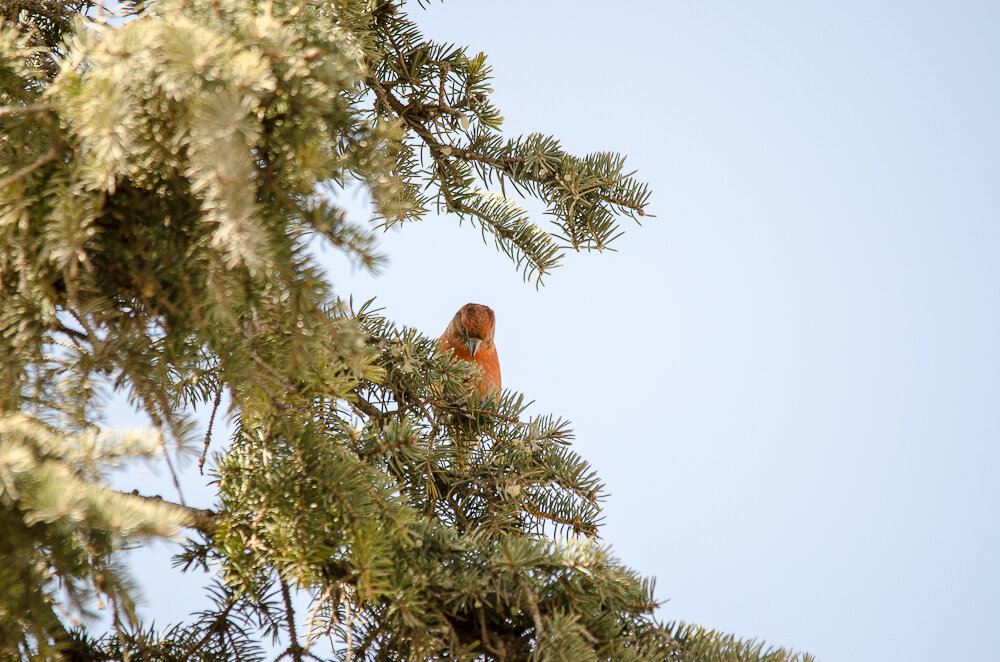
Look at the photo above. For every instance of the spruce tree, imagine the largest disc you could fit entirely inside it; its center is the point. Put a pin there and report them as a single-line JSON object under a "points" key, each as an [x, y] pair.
{"points": [[163, 170]]}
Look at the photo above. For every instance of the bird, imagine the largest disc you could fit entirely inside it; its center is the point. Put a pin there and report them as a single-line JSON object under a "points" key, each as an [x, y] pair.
{"points": [[470, 337]]}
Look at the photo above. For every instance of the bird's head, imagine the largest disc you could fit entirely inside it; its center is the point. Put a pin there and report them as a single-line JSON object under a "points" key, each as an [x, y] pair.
{"points": [[474, 324]]}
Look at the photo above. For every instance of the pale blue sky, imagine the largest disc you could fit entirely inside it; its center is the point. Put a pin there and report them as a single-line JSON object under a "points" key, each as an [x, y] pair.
{"points": [[804, 448]]}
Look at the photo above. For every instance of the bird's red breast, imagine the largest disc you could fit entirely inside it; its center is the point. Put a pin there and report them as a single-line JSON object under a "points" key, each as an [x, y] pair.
{"points": [[470, 337]]}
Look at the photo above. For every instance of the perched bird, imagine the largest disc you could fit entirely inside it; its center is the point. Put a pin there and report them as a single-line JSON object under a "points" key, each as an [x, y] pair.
{"points": [[470, 337]]}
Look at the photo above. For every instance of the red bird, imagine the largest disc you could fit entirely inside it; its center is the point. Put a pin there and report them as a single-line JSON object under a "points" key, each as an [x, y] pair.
{"points": [[470, 337]]}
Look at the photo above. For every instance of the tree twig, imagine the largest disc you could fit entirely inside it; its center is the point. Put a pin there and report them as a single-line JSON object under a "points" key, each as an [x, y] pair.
{"points": [[208, 432], [366, 407], [173, 472], [48, 157], [532, 605], [25, 110], [294, 648], [201, 519]]}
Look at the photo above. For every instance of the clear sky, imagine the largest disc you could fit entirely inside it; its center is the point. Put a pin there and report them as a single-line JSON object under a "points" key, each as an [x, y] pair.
{"points": [[788, 379]]}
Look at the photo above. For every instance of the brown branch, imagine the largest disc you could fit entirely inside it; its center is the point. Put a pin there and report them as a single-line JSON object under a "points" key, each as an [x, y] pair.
{"points": [[366, 407], [200, 519], [48, 157], [536, 615], [72, 333], [208, 432], [294, 648], [28, 109], [173, 473], [391, 102], [387, 99], [576, 522], [484, 633]]}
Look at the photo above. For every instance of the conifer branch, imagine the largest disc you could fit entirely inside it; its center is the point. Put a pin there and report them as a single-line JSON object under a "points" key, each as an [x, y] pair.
{"points": [[27, 109], [485, 634], [44, 159], [208, 432], [201, 519], [365, 407], [294, 649], [72, 333], [511, 166], [536, 615], [173, 475]]}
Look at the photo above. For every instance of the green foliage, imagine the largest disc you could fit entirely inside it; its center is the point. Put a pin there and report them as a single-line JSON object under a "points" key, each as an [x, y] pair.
{"points": [[61, 526], [162, 176], [693, 643], [441, 95]]}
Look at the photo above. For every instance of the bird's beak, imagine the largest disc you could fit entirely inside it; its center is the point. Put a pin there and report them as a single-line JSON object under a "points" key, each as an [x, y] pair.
{"points": [[473, 345]]}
